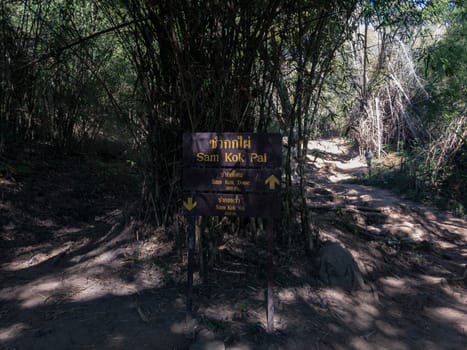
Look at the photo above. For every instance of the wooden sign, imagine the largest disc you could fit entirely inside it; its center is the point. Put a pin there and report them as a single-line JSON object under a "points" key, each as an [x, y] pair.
{"points": [[226, 204], [231, 180], [243, 168], [232, 149]]}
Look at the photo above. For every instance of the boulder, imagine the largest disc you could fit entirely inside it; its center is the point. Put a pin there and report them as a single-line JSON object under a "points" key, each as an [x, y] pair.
{"points": [[208, 345], [337, 267]]}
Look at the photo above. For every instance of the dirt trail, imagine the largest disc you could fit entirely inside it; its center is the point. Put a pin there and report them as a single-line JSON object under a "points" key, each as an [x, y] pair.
{"points": [[333, 163], [72, 275], [413, 258]]}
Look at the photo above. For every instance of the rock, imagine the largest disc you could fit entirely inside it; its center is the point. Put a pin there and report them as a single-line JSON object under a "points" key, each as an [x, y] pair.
{"points": [[208, 345], [337, 267]]}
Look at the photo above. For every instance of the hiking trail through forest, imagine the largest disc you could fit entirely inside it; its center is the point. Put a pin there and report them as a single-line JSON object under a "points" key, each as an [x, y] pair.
{"points": [[73, 275]]}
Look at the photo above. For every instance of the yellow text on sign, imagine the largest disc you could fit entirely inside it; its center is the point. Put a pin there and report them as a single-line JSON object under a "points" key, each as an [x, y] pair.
{"points": [[232, 157], [230, 205]]}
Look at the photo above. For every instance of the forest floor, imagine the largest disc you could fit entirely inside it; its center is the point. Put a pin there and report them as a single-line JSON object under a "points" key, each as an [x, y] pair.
{"points": [[74, 276]]}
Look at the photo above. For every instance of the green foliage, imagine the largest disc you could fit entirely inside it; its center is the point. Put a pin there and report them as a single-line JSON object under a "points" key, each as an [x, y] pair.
{"points": [[60, 86], [15, 170], [7, 170], [414, 180], [445, 68], [404, 75], [396, 13], [241, 312], [215, 324]]}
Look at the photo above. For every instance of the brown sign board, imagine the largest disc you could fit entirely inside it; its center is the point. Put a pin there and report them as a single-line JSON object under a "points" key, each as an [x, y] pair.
{"points": [[244, 150], [232, 174], [227, 204], [232, 180]]}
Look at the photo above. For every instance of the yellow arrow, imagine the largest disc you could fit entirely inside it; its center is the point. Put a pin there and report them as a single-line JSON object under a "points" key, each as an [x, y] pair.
{"points": [[189, 204], [272, 181]]}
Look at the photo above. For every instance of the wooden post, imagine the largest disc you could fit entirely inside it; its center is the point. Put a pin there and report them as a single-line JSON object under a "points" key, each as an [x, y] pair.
{"points": [[378, 128], [270, 269], [191, 255]]}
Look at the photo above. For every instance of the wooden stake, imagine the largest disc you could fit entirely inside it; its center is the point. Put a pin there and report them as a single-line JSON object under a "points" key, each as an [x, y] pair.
{"points": [[270, 269], [191, 255]]}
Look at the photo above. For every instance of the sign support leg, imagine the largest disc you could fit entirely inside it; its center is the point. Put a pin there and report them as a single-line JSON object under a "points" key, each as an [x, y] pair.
{"points": [[270, 296], [191, 255]]}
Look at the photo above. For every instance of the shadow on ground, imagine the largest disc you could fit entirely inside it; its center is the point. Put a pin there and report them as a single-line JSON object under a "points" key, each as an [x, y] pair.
{"points": [[81, 281]]}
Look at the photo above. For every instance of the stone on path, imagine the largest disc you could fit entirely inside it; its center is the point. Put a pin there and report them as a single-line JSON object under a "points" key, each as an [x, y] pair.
{"points": [[208, 345], [337, 267]]}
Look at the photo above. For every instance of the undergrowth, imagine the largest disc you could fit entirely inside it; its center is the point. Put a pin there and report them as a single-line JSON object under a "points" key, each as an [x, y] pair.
{"points": [[413, 179]]}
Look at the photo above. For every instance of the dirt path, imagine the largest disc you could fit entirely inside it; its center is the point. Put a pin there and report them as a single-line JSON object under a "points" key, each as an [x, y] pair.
{"points": [[413, 259], [335, 164], [72, 275]]}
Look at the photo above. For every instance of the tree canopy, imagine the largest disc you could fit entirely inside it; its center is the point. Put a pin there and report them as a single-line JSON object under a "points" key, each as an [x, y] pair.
{"points": [[386, 73]]}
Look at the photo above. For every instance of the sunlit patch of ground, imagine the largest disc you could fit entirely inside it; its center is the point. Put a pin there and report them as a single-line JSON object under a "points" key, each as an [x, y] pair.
{"points": [[12, 331], [332, 158], [65, 276]]}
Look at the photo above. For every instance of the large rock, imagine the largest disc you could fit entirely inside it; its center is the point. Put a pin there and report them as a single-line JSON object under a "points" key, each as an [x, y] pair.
{"points": [[337, 267], [208, 345]]}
